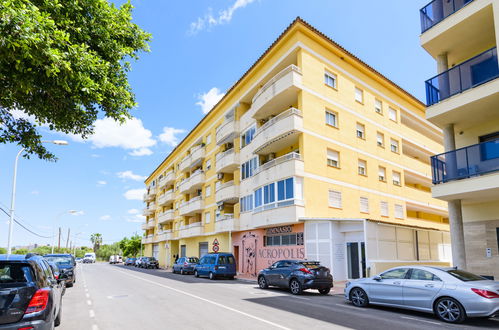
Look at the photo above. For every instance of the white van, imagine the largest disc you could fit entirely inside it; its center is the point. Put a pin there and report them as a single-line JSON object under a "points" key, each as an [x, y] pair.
{"points": [[89, 258]]}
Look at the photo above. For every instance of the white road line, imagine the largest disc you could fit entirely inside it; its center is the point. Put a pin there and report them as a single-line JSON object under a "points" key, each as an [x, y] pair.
{"points": [[415, 319], [87, 295], [95, 327], [208, 301], [91, 313], [89, 303]]}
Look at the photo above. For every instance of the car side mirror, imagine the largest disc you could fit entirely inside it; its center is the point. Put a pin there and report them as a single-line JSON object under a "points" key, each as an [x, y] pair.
{"points": [[377, 278]]}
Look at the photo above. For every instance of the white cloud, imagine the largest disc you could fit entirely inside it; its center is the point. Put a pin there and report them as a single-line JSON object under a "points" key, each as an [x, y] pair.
{"points": [[137, 218], [169, 135], [77, 213], [35, 192], [135, 194], [141, 152], [19, 114], [130, 175], [133, 211], [223, 17], [209, 99], [101, 182], [105, 217]]}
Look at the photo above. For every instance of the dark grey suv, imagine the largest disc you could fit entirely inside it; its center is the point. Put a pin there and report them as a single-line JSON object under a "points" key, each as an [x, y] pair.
{"points": [[297, 275]]}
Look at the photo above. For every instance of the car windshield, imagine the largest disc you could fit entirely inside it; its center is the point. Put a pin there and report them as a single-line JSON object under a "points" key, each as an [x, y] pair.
{"points": [[15, 273], [60, 260], [465, 276], [193, 260], [311, 264], [152, 259]]}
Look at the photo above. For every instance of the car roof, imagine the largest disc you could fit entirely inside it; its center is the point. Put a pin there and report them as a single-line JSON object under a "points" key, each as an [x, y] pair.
{"points": [[30, 257], [58, 255]]}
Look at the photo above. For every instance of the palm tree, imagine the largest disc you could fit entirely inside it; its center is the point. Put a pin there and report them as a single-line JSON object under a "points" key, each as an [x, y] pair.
{"points": [[96, 240]]}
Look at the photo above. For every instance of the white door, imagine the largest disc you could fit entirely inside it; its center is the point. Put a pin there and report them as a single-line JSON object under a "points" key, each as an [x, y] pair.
{"points": [[155, 250]]}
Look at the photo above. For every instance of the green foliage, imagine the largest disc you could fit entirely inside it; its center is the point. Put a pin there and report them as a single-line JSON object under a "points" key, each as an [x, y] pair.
{"points": [[3, 250], [130, 247], [20, 251], [80, 253], [107, 250], [64, 62], [96, 240]]}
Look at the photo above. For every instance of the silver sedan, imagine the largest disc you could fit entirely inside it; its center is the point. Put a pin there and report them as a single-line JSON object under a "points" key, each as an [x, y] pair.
{"points": [[451, 294]]}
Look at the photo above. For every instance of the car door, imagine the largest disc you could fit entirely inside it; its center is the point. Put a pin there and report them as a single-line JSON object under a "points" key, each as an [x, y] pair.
{"points": [[388, 288], [420, 288], [272, 275], [284, 271]]}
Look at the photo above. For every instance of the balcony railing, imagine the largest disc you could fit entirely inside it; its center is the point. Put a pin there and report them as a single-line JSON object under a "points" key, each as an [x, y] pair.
{"points": [[277, 161], [471, 73], [437, 10], [227, 131], [466, 162], [275, 78]]}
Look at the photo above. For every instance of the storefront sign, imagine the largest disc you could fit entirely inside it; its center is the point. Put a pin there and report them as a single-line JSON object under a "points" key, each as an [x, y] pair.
{"points": [[279, 230]]}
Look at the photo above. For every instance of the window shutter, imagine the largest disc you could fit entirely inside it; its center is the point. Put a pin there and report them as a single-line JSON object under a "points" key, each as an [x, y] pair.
{"points": [[335, 199], [364, 205], [384, 209], [399, 211]]}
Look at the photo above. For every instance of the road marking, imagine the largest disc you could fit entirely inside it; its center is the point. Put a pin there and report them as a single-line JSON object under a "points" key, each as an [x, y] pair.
{"points": [[88, 295], [208, 301], [89, 302], [415, 319], [91, 313], [95, 327]]}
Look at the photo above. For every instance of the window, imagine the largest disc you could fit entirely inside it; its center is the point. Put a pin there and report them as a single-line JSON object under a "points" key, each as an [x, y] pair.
{"points": [[394, 145], [335, 199], [381, 173], [398, 273], [364, 205], [269, 193], [248, 168], [248, 136], [246, 203], [362, 167], [207, 191], [285, 189], [359, 95], [380, 139], [208, 164], [208, 139], [333, 158], [330, 79], [288, 239], [378, 106], [423, 275], [396, 178], [392, 114], [384, 209], [207, 217], [399, 211], [258, 197], [361, 131], [331, 118]]}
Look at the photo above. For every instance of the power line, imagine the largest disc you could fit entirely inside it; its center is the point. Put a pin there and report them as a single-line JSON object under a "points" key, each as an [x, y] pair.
{"points": [[22, 226], [26, 223]]}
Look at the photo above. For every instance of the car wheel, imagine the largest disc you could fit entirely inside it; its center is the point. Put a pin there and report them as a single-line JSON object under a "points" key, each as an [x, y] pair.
{"points": [[196, 274], [262, 282], [69, 285], [358, 297], [324, 291], [449, 310], [295, 287], [58, 318], [211, 276], [182, 271]]}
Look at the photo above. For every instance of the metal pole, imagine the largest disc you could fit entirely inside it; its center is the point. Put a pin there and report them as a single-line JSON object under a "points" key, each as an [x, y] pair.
{"points": [[12, 203]]}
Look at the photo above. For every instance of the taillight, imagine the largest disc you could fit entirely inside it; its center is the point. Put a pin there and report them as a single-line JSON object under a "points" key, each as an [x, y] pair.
{"points": [[485, 293], [38, 302], [25, 328], [185, 263], [216, 267], [305, 270]]}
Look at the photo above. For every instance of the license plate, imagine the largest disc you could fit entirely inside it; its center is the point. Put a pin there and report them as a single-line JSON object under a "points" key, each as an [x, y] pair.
{"points": [[222, 267]]}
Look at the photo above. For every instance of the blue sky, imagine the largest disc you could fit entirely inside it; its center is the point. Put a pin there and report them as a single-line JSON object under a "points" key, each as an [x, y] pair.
{"points": [[199, 49]]}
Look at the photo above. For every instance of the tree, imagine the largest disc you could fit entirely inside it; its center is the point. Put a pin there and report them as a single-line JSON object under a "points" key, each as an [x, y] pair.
{"points": [[96, 240], [64, 62], [107, 250], [3, 250], [130, 247]]}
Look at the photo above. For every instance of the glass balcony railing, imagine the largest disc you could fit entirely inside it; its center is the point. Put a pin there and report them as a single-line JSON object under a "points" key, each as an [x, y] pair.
{"points": [[437, 10], [471, 73], [466, 162]]}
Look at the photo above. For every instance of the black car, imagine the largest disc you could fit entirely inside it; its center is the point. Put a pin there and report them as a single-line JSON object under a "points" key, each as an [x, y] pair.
{"points": [[149, 262], [130, 261], [30, 295], [297, 275], [66, 264]]}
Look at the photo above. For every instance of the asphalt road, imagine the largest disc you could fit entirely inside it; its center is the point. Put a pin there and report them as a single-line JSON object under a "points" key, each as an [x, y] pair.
{"points": [[118, 297]]}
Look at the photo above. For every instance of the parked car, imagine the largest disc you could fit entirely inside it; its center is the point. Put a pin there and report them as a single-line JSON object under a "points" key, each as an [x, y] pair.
{"points": [[31, 295], [130, 261], [66, 264], [185, 265], [114, 259], [297, 275], [216, 265], [449, 293], [138, 262], [149, 262], [78, 260], [57, 274], [89, 258]]}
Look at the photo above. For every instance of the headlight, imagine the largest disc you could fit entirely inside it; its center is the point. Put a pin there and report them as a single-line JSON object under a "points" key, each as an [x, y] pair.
{"points": [[347, 284]]}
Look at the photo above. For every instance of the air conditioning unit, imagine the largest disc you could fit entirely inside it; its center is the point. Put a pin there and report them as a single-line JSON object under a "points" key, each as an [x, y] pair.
{"points": [[220, 206], [271, 156], [199, 192], [229, 145], [220, 176]]}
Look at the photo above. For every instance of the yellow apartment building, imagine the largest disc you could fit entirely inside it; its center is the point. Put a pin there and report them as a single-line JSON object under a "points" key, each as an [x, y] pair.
{"points": [[311, 154], [463, 100]]}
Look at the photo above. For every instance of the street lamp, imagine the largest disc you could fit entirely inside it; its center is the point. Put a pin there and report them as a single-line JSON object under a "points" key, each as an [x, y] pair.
{"points": [[56, 221], [13, 199]]}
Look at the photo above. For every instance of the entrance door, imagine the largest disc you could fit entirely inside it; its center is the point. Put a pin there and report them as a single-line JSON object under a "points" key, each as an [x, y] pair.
{"points": [[155, 250], [356, 259], [236, 254], [203, 249], [182, 251]]}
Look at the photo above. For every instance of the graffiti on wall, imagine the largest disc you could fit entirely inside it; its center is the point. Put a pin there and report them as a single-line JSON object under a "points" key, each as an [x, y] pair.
{"points": [[249, 242]]}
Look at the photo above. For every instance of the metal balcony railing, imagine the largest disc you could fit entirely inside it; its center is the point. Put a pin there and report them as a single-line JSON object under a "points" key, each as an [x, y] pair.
{"points": [[469, 74], [466, 162], [437, 10]]}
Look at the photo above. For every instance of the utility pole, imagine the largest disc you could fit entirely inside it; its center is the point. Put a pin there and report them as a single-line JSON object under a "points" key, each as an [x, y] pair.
{"points": [[59, 240], [67, 241]]}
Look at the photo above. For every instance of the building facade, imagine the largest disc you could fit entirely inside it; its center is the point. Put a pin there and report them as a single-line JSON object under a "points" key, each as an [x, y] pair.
{"points": [[463, 99], [311, 154]]}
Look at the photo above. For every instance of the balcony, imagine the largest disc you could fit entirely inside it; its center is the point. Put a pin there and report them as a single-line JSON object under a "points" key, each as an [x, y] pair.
{"points": [[183, 186], [275, 214], [185, 164], [143, 226], [197, 155], [166, 198], [150, 194], [150, 224], [148, 210], [195, 205], [166, 216], [279, 132], [279, 168], [225, 223], [278, 93], [437, 10], [196, 181], [168, 178], [470, 173], [190, 230], [227, 192], [227, 132], [227, 161], [147, 239], [165, 235]]}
